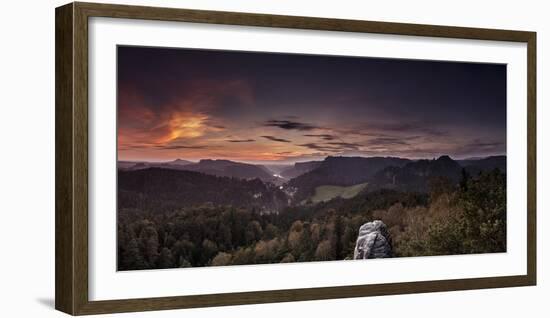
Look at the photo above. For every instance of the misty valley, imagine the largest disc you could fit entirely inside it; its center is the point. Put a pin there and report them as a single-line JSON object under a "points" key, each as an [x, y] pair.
{"points": [[183, 213]]}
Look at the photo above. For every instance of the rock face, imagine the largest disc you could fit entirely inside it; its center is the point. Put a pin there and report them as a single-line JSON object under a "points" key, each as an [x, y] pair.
{"points": [[415, 176], [374, 241]]}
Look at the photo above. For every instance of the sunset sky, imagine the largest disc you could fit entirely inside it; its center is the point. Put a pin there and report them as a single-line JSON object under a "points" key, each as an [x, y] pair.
{"points": [[258, 107]]}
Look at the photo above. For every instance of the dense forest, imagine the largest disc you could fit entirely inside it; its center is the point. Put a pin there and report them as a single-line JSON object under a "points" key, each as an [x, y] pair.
{"points": [[169, 218]]}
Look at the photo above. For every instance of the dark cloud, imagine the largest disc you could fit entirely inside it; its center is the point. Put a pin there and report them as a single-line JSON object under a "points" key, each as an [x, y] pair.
{"points": [[289, 125], [221, 127], [424, 128], [129, 146], [240, 140], [319, 147], [322, 136], [332, 146], [344, 145], [480, 146], [388, 141], [391, 129], [172, 147], [273, 138], [161, 147]]}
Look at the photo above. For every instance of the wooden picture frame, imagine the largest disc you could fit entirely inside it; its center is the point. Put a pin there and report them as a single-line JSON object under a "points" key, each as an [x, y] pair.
{"points": [[71, 268]]}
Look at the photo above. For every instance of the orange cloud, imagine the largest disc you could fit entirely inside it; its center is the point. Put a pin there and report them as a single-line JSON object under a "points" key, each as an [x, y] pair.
{"points": [[185, 125]]}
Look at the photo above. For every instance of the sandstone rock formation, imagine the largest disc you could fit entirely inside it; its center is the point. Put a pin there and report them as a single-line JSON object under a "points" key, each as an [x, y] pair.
{"points": [[373, 241]]}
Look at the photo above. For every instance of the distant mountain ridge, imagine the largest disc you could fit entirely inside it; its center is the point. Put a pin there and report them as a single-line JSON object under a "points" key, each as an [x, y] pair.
{"points": [[137, 165], [304, 177], [414, 176], [299, 168], [217, 167], [387, 173], [227, 168], [474, 166], [180, 162]]}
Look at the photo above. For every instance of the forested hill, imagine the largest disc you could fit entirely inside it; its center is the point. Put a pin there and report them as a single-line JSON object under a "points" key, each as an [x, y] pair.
{"points": [[416, 176], [227, 168], [341, 171], [299, 168], [216, 167], [474, 166], [165, 189]]}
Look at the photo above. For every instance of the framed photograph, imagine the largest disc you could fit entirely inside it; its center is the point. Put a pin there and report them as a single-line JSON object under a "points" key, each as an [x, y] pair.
{"points": [[218, 158]]}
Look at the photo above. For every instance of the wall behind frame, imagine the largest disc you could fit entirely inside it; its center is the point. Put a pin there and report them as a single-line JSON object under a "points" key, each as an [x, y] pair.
{"points": [[27, 158]]}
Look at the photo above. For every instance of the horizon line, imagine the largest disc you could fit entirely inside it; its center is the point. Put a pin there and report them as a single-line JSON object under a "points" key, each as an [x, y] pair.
{"points": [[305, 160]]}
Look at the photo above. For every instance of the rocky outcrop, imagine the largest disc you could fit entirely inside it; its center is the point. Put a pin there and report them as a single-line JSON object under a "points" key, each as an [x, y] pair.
{"points": [[373, 241]]}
